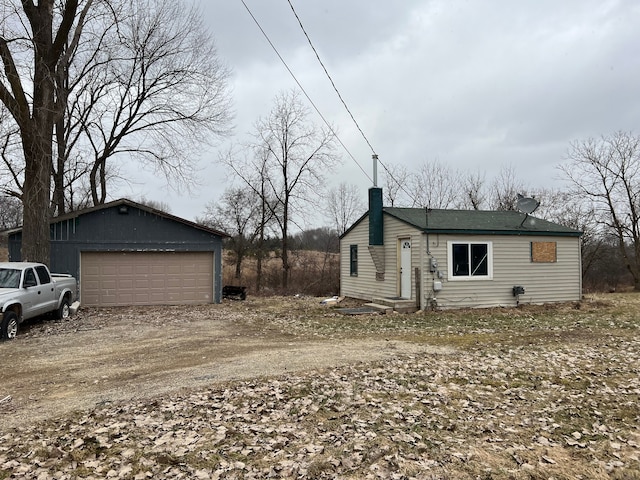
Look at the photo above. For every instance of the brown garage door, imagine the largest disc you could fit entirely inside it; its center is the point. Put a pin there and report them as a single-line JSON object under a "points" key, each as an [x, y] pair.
{"points": [[146, 278]]}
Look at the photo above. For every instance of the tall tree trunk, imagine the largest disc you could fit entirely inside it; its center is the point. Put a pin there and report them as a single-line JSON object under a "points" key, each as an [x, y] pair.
{"points": [[37, 139], [98, 182], [35, 117], [285, 248], [239, 257], [58, 172], [36, 213]]}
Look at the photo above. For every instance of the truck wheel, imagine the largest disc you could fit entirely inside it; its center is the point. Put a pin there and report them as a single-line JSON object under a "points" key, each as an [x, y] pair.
{"points": [[9, 326], [63, 312]]}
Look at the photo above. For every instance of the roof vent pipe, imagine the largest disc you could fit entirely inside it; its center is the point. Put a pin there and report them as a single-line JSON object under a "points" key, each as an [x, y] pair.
{"points": [[375, 169]]}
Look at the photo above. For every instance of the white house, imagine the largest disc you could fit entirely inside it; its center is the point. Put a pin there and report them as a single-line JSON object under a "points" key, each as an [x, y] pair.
{"points": [[458, 258]]}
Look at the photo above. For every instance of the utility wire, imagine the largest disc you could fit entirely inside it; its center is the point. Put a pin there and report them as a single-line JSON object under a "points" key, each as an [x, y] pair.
{"points": [[330, 79], [375, 155], [304, 91]]}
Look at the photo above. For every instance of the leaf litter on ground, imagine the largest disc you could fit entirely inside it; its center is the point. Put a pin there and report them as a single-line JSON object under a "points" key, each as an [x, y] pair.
{"points": [[537, 392]]}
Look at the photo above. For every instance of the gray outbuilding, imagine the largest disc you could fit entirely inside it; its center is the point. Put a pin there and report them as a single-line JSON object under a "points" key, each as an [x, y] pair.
{"points": [[126, 253]]}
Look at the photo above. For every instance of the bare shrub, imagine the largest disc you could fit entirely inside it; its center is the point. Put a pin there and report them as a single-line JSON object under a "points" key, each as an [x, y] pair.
{"points": [[312, 273]]}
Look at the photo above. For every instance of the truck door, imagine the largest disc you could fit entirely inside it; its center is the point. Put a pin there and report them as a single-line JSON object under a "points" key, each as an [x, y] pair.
{"points": [[48, 300], [31, 294]]}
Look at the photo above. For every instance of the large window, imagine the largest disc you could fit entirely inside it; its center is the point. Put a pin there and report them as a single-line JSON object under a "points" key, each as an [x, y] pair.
{"points": [[353, 260], [470, 260]]}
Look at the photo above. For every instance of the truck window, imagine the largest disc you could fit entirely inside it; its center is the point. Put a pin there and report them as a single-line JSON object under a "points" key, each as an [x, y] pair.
{"points": [[30, 278], [43, 274], [9, 278]]}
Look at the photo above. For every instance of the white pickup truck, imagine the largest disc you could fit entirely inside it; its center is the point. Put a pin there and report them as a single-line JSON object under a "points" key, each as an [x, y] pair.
{"points": [[28, 290]]}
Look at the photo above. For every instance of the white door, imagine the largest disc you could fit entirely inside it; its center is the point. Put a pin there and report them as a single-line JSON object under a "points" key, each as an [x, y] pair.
{"points": [[405, 268]]}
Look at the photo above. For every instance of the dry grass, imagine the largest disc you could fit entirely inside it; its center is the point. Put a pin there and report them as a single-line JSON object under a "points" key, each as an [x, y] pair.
{"points": [[312, 273], [529, 393]]}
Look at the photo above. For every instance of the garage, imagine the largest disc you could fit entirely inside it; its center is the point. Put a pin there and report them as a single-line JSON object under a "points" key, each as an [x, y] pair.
{"points": [[124, 253], [146, 278]]}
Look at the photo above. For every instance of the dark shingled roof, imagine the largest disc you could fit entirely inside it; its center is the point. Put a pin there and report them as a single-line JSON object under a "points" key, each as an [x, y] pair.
{"points": [[478, 222]]}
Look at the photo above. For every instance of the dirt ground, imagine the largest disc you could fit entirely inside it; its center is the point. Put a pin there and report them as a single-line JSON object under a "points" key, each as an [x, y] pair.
{"points": [[108, 355], [281, 387]]}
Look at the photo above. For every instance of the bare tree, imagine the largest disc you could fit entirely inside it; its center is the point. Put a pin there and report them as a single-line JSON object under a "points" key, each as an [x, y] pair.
{"points": [[298, 154], [155, 204], [11, 173], [32, 46], [290, 157], [606, 172], [253, 171], [10, 212], [435, 186], [505, 189], [150, 88], [344, 206], [472, 192], [111, 78], [238, 214], [396, 179]]}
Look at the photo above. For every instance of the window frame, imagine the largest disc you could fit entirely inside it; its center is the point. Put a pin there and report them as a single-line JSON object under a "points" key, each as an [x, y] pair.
{"points": [[353, 260], [43, 275], [30, 274], [469, 277]]}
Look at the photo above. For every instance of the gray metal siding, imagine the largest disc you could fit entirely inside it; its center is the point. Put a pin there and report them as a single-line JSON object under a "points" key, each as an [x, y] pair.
{"points": [[108, 230]]}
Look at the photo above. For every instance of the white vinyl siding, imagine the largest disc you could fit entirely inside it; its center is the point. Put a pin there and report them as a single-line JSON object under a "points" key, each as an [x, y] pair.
{"points": [[512, 265], [365, 286]]}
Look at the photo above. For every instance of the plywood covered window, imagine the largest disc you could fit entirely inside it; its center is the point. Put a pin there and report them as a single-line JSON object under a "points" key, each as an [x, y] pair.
{"points": [[544, 252]]}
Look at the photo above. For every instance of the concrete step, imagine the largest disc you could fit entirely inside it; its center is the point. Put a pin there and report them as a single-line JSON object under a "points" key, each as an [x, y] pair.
{"points": [[391, 302], [400, 305], [379, 307], [406, 308]]}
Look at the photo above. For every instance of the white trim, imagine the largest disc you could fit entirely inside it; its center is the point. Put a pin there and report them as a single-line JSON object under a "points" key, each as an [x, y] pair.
{"points": [[469, 278]]}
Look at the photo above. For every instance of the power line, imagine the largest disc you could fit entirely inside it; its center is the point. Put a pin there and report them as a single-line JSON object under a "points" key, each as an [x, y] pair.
{"points": [[329, 77], [303, 90], [375, 155]]}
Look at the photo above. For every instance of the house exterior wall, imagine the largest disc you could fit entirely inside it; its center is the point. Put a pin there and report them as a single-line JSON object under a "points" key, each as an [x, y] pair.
{"points": [[365, 286], [137, 230], [512, 265]]}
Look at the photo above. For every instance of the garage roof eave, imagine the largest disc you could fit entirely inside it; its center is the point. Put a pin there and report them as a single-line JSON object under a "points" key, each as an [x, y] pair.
{"points": [[130, 203]]}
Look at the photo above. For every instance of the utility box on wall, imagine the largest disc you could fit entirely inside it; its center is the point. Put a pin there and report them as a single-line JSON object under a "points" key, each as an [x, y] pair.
{"points": [[518, 290]]}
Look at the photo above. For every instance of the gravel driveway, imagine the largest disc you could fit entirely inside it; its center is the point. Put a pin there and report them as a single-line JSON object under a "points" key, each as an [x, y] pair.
{"points": [[282, 388], [108, 355]]}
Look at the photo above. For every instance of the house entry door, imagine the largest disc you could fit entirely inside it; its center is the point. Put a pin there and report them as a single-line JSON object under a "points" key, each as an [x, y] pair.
{"points": [[405, 267]]}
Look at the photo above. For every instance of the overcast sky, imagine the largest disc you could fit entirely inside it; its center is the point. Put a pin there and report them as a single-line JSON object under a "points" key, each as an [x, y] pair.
{"points": [[473, 84]]}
